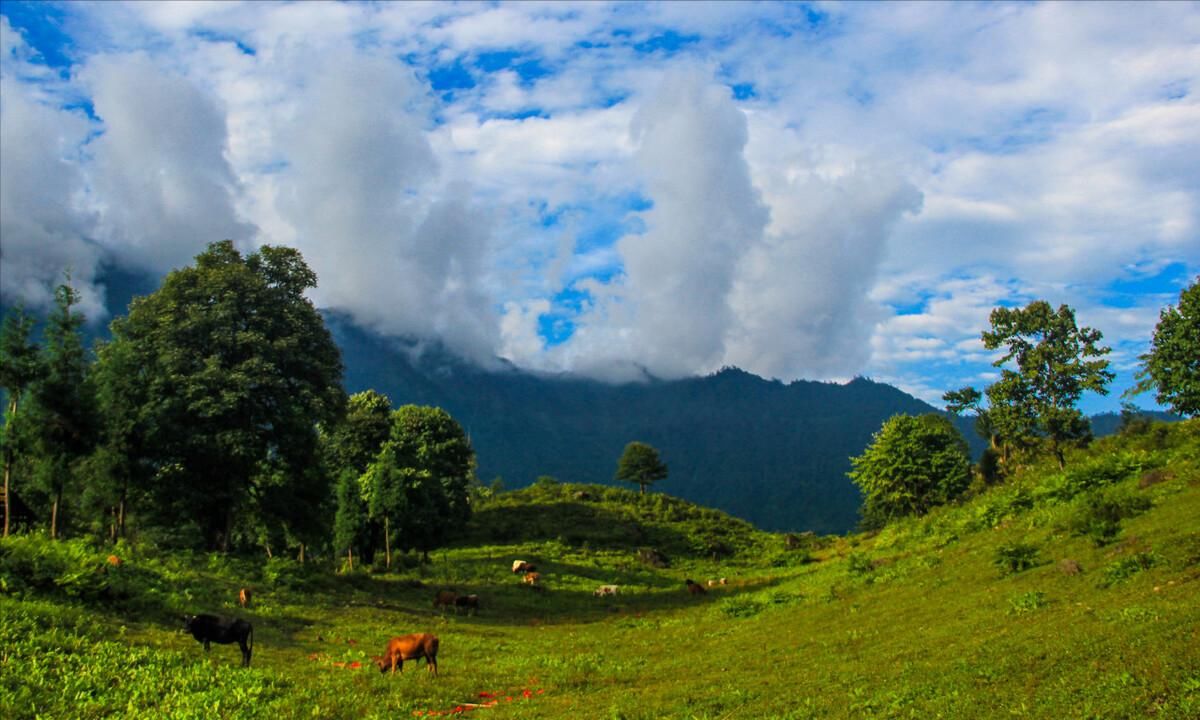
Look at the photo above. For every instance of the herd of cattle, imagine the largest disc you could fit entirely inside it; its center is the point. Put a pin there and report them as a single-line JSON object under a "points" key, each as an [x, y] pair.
{"points": [[226, 630]]}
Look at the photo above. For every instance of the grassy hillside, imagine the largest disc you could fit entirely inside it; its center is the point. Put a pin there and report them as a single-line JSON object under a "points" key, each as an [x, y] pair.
{"points": [[1064, 595]]}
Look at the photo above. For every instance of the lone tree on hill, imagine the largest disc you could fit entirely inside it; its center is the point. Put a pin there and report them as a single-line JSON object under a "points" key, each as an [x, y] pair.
{"points": [[1056, 361], [913, 464], [641, 465], [1172, 367]]}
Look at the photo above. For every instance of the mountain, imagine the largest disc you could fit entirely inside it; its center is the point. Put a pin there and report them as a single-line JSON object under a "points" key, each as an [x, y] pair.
{"points": [[772, 453]]}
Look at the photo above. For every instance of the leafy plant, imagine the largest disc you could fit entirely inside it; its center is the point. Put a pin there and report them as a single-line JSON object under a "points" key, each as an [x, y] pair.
{"points": [[1127, 567], [1101, 515], [1027, 602], [1015, 558]]}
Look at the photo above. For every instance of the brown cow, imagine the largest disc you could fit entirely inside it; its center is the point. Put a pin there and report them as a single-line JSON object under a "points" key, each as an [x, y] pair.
{"points": [[409, 647], [695, 588], [531, 578], [520, 566], [444, 599], [244, 597]]}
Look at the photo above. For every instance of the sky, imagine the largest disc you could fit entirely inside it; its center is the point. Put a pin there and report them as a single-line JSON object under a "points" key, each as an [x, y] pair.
{"points": [[626, 190]]}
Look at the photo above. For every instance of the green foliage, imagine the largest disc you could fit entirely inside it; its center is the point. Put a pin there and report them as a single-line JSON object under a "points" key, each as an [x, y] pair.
{"points": [[1101, 514], [234, 369], [740, 607], [420, 480], [912, 465], [640, 464], [1015, 558], [1056, 362], [1100, 471], [62, 405], [1126, 567], [1172, 366], [1027, 602]]}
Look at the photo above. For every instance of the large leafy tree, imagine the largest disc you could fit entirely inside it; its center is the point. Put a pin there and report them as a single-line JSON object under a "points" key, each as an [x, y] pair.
{"points": [[63, 409], [1054, 362], [913, 464], [235, 369], [419, 482], [1172, 367], [640, 464], [20, 367]]}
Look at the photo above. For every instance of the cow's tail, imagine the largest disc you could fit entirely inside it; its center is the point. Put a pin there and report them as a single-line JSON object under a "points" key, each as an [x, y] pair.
{"points": [[249, 645]]}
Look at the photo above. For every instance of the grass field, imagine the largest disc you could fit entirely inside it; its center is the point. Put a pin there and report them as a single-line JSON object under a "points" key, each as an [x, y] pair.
{"points": [[1056, 595]]}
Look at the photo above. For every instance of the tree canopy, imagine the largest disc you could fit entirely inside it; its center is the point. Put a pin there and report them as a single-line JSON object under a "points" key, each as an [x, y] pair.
{"points": [[641, 465], [1172, 366], [913, 464], [234, 369]]}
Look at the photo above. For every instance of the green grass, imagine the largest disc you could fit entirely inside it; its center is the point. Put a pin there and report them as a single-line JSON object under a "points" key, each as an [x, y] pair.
{"points": [[922, 619]]}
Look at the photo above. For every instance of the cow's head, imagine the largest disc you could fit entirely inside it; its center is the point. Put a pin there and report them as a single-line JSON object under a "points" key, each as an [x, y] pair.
{"points": [[382, 663]]}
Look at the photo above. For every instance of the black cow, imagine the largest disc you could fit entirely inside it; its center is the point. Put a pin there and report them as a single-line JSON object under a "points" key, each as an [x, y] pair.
{"points": [[222, 630]]}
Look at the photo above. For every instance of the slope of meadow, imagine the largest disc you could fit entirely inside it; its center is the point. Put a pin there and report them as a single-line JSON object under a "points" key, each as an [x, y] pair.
{"points": [[1071, 594]]}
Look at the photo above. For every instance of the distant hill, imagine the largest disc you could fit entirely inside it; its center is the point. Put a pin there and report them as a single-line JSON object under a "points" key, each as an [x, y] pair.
{"points": [[775, 454]]}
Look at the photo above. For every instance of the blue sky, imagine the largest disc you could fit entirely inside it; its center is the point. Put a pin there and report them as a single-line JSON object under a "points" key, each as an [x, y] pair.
{"points": [[811, 191]]}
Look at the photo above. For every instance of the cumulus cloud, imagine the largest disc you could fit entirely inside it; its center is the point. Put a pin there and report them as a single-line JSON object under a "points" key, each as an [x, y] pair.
{"points": [[43, 225], [392, 247], [162, 186], [803, 191]]}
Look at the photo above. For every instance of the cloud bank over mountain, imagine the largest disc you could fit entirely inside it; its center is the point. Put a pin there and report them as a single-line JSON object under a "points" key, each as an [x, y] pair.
{"points": [[804, 191]]}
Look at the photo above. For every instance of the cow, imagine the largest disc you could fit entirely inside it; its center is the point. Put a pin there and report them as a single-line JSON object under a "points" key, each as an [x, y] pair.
{"points": [[466, 602], [114, 560], [531, 578], [409, 647], [520, 566], [605, 590], [222, 630], [695, 588], [444, 599], [244, 597]]}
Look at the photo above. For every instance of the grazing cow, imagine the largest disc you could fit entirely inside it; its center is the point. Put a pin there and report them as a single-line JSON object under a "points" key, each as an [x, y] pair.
{"points": [[520, 566], [114, 560], [444, 599], [695, 588], [605, 590], [531, 578], [222, 630], [409, 647], [467, 602], [244, 597], [712, 583]]}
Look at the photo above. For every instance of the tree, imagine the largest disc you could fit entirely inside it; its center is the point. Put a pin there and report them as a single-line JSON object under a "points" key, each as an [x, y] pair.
{"points": [[913, 464], [641, 465], [62, 403], [354, 442], [350, 519], [1056, 361], [20, 367], [1172, 367], [421, 479], [235, 371]]}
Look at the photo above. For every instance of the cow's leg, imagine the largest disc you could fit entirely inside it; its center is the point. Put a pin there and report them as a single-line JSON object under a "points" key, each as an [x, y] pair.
{"points": [[205, 644], [245, 653]]}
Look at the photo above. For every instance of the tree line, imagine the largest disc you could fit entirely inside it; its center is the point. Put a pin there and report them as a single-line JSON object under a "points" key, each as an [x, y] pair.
{"points": [[1047, 363], [215, 418]]}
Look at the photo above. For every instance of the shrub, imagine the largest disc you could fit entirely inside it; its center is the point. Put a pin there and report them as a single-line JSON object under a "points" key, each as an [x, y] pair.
{"points": [[287, 573], [1099, 471], [1101, 515], [859, 564], [1127, 567], [1015, 558]]}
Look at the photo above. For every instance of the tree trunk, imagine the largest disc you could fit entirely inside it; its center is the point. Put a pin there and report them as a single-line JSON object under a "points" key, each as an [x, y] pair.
{"points": [[301, 553], [268, 547], [387, 543], [121, 515], [350, 558], [54, 516], [643, 487], [8, 460]]}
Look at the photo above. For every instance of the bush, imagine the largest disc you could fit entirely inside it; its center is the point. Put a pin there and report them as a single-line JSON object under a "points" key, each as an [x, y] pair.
{"points": [[1127, 567], [740, 607], [284, 572], [1101, 515], [1015, 558], [859, 564], [1099, 471]]}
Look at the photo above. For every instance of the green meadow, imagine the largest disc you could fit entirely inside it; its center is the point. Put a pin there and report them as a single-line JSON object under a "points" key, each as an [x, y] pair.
{"points": [[1059, 594]]}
